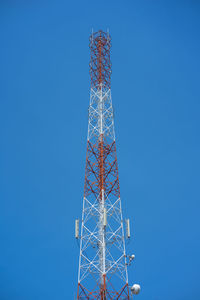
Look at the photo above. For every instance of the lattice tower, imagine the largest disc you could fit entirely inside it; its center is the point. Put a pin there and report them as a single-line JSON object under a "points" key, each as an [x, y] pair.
{"points": [[103, 261]]}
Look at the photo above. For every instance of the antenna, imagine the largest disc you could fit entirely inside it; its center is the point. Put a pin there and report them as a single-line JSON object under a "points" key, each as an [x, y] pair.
{"points": [[77, 229], [128, 234]]}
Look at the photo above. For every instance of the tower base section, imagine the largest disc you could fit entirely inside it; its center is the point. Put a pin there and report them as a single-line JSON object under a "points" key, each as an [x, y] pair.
{"points": [[103, 293]]}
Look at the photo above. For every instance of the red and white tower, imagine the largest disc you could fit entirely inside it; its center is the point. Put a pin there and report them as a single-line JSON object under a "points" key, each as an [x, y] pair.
{"points": [[103, 261]]}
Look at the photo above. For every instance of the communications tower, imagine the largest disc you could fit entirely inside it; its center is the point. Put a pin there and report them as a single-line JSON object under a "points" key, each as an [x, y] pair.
{"points": [[103, 261]]}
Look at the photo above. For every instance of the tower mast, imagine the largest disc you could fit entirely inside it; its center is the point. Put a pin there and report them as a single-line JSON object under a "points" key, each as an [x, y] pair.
{"points": [[102, 262]]}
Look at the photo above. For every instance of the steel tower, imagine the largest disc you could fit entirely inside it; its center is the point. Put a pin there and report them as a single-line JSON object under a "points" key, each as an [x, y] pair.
{"points": [[103, 261]]}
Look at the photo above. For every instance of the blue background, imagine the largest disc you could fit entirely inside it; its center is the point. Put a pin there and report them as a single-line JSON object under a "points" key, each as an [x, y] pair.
{"points": [[44, 97]]}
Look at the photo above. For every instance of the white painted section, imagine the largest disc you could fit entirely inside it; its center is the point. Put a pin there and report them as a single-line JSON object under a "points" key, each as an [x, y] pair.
{"points": [[107, 212]]}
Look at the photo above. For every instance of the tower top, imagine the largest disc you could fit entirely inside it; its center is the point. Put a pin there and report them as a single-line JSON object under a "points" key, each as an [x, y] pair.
{"points": [[100, 64]]}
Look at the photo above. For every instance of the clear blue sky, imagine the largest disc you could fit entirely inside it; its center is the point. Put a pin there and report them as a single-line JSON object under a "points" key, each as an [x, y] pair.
{"points": [[44, 97]]}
